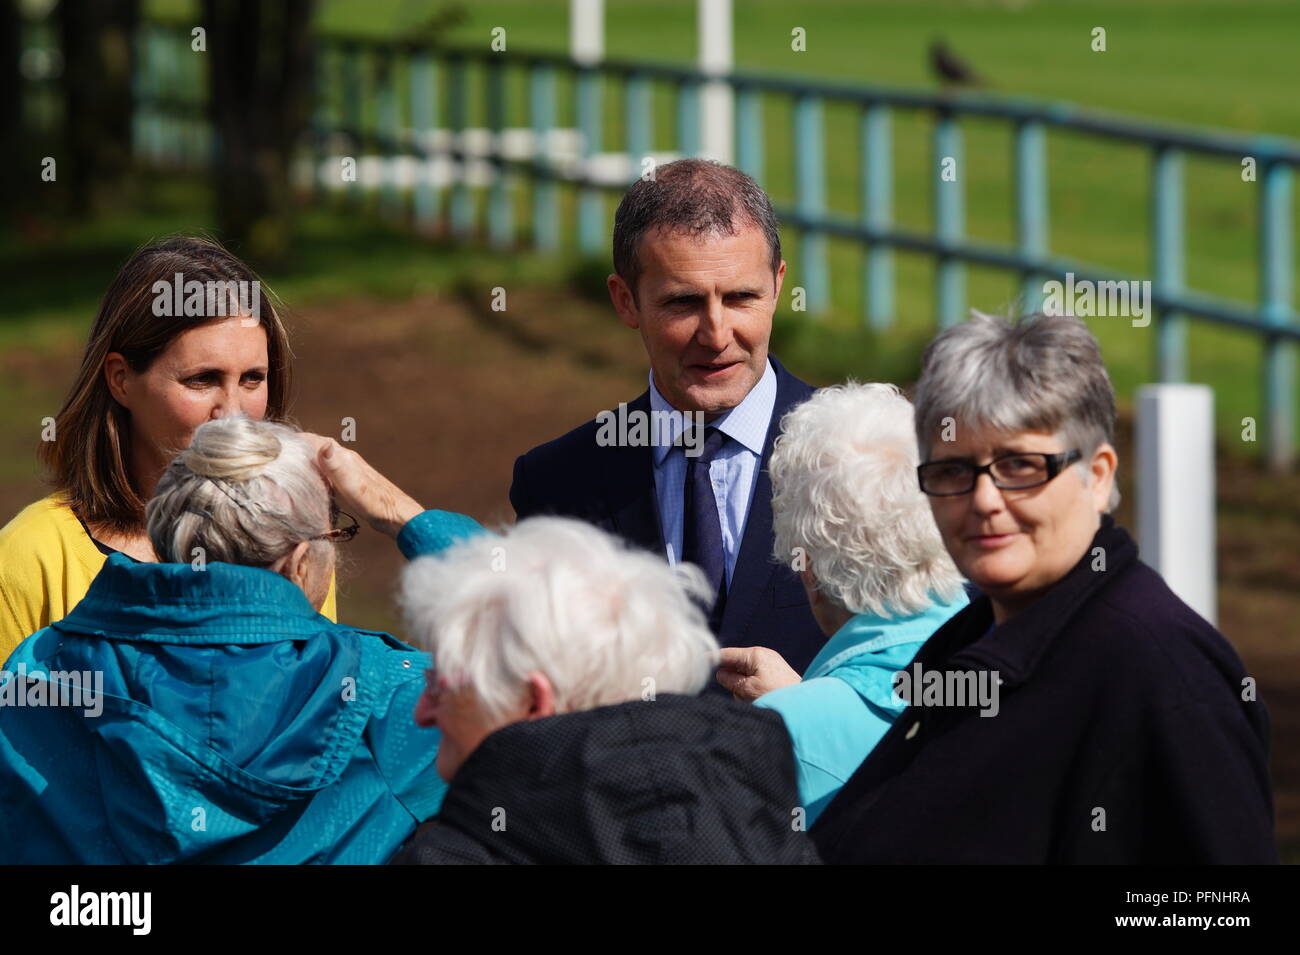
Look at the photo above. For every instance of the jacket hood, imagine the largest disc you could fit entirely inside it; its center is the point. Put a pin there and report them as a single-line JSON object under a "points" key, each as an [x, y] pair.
{"points": [[224, 697], [674, 780], [222, 603]]}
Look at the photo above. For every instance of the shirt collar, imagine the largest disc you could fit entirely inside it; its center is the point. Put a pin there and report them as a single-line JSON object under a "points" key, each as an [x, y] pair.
{"points": [[747, 423], [865, 633]]}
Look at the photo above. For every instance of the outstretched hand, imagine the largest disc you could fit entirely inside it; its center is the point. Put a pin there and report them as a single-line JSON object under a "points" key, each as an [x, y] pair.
{"points": [[749, 672], [361, 490]]}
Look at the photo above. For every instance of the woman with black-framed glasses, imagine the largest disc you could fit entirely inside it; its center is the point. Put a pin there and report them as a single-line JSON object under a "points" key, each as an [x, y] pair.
{"points": [[1078, 711]]}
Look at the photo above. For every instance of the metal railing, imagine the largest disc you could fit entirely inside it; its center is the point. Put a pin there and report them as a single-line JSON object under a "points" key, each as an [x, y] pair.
{"points": [[421, 107]]}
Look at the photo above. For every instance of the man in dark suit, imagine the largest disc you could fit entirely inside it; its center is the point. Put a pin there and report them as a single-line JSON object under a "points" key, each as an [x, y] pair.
{"points": [[698, 272]]}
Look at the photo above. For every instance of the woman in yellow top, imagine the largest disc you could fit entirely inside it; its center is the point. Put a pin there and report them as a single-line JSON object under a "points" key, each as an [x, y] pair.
{"points": [[164, 356]]}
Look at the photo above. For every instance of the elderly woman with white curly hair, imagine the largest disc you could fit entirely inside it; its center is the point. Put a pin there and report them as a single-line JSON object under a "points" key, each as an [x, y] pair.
{"points": [[565, 680], [848, 517], [1125, 729]]}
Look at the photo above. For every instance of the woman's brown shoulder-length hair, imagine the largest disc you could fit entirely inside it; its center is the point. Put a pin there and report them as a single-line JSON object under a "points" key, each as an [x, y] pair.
{"points": [[89, 458]]}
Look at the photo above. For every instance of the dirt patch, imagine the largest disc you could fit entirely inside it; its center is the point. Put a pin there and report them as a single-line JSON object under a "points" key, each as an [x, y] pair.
{"points": [[446, 393]]}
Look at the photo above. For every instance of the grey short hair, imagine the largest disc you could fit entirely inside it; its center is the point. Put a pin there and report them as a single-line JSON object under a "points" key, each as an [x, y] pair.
{"points": [[698, 197], [844, 490], [247, 492], [1038, 373], [606, 622]]}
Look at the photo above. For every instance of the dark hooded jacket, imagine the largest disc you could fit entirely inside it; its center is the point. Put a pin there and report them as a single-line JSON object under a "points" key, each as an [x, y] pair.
{"points": [[676, 780]]}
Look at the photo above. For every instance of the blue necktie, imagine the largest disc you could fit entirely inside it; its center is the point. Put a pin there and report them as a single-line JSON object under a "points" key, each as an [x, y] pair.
{"points": [[701, 526]]}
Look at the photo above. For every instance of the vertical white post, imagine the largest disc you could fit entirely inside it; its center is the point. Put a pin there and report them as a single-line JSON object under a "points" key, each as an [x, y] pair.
{"points": [[717, 98], [587, 31], [1175, 490]]}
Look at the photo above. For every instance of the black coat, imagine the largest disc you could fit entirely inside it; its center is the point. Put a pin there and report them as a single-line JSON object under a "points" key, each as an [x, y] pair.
{"points": [[613, 488], [676, 780], [1120, 707]]}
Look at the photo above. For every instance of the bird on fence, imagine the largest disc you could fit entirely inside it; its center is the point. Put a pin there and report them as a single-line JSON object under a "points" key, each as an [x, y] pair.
{"points": [[951, 69], [439, 23]]}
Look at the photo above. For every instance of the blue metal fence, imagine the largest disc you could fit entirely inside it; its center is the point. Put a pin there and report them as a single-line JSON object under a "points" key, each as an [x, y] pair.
{"points": [[420, 85]]}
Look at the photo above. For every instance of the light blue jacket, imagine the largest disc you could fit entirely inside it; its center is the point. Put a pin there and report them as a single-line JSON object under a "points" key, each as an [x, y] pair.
{"points": [[234, 723], [846, 702]]}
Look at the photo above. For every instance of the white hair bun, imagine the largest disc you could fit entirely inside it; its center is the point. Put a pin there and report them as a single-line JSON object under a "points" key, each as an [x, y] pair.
{"points": [[233, 449]]}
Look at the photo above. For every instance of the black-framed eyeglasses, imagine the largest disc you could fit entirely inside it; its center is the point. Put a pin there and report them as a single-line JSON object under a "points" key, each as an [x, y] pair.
{"points": [[343, 534], [1010, 472]]}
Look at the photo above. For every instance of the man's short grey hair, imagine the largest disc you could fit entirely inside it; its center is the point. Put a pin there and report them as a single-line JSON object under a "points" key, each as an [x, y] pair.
{"points": [[697, 197], [1038, 373], [605, 622], [246, 492], [844, 492]]}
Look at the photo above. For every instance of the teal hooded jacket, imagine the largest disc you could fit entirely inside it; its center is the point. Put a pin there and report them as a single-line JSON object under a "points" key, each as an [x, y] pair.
{"points": [[213, 716]]}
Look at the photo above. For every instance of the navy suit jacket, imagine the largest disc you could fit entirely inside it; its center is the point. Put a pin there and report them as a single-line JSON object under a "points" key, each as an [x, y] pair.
{"points": [[613, 488]]}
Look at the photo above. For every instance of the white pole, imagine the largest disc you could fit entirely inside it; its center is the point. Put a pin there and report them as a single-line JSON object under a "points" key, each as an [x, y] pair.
{"points": [[1175, 484], [717, 99], [587, 30]]}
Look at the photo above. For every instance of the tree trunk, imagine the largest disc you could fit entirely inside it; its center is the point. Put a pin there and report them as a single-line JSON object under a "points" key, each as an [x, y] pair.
{"points": [[260, 69], [14, 179], [96, 37]]}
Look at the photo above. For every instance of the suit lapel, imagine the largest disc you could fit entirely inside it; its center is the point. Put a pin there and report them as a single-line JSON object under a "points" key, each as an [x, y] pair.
{"points": [[630, 489], [755, 565]]}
